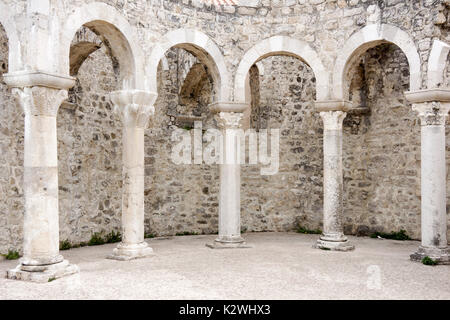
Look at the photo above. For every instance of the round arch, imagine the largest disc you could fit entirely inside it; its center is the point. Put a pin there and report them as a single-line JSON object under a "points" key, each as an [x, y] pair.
{"points": [[7, 21], [281, 45], [437, 63], [199, 44], [108, 22], [369, 37]]}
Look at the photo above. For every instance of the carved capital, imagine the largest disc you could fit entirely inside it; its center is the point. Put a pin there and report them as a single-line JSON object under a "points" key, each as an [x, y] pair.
{"points": [[229, 120], [41, 101], [332, 120], [134, 107], [432, 113]]}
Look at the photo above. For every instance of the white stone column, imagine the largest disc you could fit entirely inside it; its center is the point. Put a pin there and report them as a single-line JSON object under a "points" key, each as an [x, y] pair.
{"points": [[41, 260], [432, 116], [135, 108], [229, 120], [432, 106], [333, 237]]}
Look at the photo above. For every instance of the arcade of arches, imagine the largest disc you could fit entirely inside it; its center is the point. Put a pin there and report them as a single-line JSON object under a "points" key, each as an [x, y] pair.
{"points": [[92, 92]]}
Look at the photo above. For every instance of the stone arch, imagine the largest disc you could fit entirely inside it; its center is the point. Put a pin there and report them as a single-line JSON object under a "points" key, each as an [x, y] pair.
{"points": [[437, 63], [7, 21], [108, 22], [281, 45], [85, 43], [201, 46], [369, 37]]}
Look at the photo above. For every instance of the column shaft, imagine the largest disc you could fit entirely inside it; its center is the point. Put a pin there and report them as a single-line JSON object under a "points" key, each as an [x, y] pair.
{"points": [[41, 259], [434, 217], [230, 183], [433, 182], [41, 219], [229, 194], [134, 108], [133, 185], [333, 234], [333, 185]]}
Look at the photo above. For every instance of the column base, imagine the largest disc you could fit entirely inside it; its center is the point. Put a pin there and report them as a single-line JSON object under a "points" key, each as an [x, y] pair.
{"points": [[126, 252], [441, 256], [43, 273], [228, 244], [334, 245]]}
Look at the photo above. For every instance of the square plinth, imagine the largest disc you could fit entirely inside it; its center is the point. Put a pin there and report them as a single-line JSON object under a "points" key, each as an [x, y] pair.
{"points": [[441, 256], [334, 246], [126, 255], [45, 273]]}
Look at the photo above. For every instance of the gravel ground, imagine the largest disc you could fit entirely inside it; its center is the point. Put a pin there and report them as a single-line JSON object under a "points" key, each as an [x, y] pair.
{"points": [[278, 266]]}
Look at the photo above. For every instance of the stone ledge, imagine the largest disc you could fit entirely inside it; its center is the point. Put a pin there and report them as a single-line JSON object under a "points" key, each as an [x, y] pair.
{"points": [[27, 78], [68, 105], [428, 95], [228, 106], [333, 105], [359, 111], [181, 120]]}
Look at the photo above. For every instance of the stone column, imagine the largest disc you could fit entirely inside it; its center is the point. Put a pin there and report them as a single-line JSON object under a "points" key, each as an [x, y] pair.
{"points": [[41, 260], [432, 116], [134, 108], [333, 237], [229, 120]]}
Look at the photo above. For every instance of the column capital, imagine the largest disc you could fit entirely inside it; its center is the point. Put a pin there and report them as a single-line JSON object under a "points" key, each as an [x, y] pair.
{"points": [[134, 107], [433, 113], [40, 101], [39, 92], [332, 120], [333, 105], [229, 120], [432, 105]]}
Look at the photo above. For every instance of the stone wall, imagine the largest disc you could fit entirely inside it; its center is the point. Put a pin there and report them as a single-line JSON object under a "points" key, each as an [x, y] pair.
{"points": [[294, 195], [382, 150], [90, 153], [381, 147], [11, 160], [178, 198]]}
